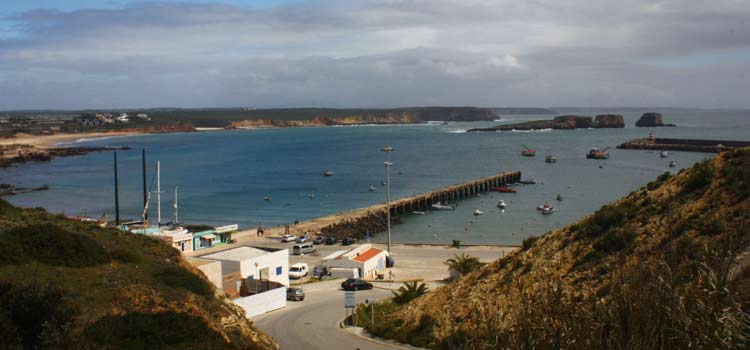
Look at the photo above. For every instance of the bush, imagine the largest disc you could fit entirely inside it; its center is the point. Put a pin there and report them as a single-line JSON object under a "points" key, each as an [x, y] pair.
{"points": [[51, 244], [700, 176], [464, 263], [126, 256], [529, 242], [615, 240], [177, 277], [659, 181], [34, 317]]}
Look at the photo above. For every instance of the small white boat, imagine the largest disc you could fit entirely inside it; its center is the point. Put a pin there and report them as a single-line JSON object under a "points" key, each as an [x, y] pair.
{"points": [[372, 188], [267, 198], [672, 164], [311, 195], [416, 212], [477, 212], [382, 183], [664, 154], [480, 195], [328, 173], [501, 204], [441, 206], [546, 209], [550, 159]]}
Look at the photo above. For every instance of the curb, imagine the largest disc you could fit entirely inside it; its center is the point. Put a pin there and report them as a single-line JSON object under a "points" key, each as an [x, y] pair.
{"points": [[400, 346]]}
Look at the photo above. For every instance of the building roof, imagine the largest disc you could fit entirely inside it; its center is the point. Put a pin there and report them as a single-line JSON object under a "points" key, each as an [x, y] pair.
{"points": [[237, 254], [367, 254]]}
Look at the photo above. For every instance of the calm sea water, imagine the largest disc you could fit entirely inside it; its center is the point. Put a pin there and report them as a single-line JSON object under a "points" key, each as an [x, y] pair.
{"points": [[223, 176]]}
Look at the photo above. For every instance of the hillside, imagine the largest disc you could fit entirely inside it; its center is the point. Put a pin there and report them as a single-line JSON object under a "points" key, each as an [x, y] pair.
{"points": [[72, 285], [665, 267], [283, 117]]}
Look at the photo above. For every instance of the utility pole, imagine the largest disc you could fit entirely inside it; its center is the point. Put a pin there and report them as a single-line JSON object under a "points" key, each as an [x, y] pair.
{"points": [[388, 149], [158, 193], [145, 189]]}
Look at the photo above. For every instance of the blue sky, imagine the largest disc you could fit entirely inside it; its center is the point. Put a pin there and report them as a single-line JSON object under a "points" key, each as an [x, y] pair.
{"points": [[374, 53]]}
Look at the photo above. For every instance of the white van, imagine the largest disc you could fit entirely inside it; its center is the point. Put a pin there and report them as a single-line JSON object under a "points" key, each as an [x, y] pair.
{"points": [[303, 248], [298, 270]]}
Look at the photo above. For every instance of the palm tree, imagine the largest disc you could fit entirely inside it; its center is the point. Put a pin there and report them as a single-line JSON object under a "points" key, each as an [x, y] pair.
{"points": [[408, 292], [463, 263]]}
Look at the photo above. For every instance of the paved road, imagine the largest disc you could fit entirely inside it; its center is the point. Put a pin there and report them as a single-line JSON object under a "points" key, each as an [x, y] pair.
{"points": [[313, 323]]}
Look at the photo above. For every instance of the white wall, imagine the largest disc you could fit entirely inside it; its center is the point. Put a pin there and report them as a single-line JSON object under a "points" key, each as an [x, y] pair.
{"points": [[261, 303], [271, 261]]}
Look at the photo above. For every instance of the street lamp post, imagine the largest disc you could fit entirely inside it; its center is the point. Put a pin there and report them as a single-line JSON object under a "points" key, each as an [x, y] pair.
{"points": [[388, 149]]}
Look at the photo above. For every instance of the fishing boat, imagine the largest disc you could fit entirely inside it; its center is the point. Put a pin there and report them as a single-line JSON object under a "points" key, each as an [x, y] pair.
{"points": [[528, 182], [477, 212], [550, 159], [328, 173], [672, 164], [546, 209], [443, 206], [663, 154], [311, 195], [372, 188], [528, 152], [417, 212], [503, 189], [501, 204], [596, 153], [267, 198]]}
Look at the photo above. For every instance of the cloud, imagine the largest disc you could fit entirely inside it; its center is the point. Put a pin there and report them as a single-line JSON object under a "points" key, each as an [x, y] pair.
{"points": [[378, 53]]}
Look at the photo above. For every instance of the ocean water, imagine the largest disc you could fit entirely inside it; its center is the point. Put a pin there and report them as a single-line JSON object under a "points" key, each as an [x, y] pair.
{"points": [[223, 176]]}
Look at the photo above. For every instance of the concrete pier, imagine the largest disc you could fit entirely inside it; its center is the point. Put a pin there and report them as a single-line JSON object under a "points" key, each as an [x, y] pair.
{"points": [[686, 145]]}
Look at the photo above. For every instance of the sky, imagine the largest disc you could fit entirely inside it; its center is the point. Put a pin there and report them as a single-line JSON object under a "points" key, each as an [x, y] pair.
{"points": [[73, 54]]}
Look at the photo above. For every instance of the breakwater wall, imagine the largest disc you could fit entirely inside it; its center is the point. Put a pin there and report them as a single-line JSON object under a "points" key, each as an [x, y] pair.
{"points": [[373, 219], [686, 145]]}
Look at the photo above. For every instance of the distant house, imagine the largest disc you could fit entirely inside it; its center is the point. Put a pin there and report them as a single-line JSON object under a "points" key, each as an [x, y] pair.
{"points": [[143, 116], [123, 118], [89, 120]]}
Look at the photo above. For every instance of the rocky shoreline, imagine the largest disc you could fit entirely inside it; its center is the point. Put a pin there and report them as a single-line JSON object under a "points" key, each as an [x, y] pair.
{"points": [[20, 154], [563, 122], [11, 190], [685, 145]]}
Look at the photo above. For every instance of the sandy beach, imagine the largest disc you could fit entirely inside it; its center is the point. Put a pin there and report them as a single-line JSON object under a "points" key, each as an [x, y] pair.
{"points": [[47, 141]]}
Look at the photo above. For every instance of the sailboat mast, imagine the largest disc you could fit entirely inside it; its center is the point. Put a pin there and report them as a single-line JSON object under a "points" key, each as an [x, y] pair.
{"points": [[145, 189], [158, 193], [174, 205], [117, 196]]}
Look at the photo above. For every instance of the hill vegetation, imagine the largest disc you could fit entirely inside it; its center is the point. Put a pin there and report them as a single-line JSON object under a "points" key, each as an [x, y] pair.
{"points": [[72, 285], [666, 267]]}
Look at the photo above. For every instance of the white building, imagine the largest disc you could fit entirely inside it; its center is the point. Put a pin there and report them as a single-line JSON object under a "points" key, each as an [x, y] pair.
{"points": [[123, 118], [264, 273], [368, 260]]}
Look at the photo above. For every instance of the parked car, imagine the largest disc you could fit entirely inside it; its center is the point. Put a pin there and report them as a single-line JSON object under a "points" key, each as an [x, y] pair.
{"points": [[355, 284], [304, 239], [389, 262], [303, 248], [331, 240], [348, 241], [298, 270], [295, 294], [288, 238], [319, 240]]}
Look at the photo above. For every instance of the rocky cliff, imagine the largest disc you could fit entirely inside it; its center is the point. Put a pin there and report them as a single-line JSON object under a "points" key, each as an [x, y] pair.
{"points": [[71, 285], [360, 117], [664, 267], [650, 120], [564, 122]]}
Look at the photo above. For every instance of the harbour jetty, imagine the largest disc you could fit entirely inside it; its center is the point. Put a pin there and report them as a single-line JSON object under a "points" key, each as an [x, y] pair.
{"points": [[686, 145], [357, 222]]}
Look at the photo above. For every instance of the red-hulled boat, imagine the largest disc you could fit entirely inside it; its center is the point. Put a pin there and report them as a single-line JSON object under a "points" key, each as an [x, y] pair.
{"points": [[503, 189], [528, 152]]}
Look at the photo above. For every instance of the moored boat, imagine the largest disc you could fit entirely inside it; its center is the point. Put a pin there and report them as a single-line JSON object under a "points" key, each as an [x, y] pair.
{"points": [[528, 182], [664, 154], [672, 164], [503, 189], [550, 159], [596, 153], [417, 212], [328, 173], [478, 212], [372, 188], [528, 152], [546, 209], [443, 206], [501, 204]]}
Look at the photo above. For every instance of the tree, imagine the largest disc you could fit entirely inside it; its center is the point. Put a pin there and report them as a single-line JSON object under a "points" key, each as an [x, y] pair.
{"points": [[463, 263], [408, 292]]}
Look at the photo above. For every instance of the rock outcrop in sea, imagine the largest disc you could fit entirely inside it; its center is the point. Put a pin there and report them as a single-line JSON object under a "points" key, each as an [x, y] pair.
{"points": [[651, 120], [563, 122]]}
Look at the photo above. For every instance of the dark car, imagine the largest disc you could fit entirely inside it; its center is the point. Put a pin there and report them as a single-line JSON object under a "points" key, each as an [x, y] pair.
{"points": [[330, 240], [295, 294], [389, 262], [355, 284], [319, 240], [348, 241]]}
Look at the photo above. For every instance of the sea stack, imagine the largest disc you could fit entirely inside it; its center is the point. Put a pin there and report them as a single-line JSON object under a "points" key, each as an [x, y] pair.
{"points": [[650, 120], [609, 121]]}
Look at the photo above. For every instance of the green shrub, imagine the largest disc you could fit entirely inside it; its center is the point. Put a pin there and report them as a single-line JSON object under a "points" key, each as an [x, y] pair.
{"points": [[51, 244], [34, 317], [659, 181], [464, 263], [615, 240], [126, 256], [177, 277], [700, 176], [529, 242]]}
